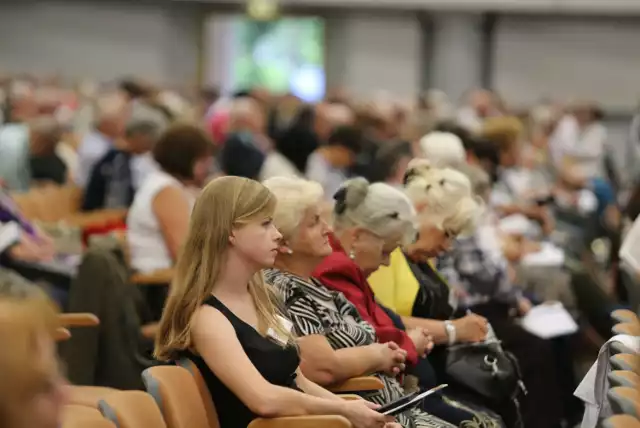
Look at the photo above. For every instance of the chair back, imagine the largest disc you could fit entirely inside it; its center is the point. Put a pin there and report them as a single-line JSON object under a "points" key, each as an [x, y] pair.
{"points": [[131, 409], [74, 416], [207, 400], [624, 401], [177, 395]]}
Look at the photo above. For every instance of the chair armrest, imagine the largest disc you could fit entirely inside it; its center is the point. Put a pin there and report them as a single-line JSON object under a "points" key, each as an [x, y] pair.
{"points": [[362, 383], [159, 277], [350, 397], [624, 315], [62, 334], [324, 421], [78, 319]]}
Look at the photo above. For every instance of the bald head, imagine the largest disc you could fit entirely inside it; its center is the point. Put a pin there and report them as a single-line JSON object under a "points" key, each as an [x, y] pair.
{"points": [[46, 133]]}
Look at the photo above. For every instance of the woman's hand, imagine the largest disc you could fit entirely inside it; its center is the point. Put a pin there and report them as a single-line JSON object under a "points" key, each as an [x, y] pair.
{"points": [[392, 358], [422, 340], [471, 328], [362, 414], [524, 306]]}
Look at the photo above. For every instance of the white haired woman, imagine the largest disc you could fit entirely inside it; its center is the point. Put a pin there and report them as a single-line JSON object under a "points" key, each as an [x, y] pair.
{"points": [[336, 343]]}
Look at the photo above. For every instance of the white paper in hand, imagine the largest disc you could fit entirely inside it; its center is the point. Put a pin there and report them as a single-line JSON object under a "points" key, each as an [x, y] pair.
{"points": [[630, 249], [549, 320]]}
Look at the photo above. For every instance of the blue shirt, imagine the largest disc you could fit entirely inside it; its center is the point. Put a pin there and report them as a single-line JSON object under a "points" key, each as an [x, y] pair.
{"points": [[14, 156]]}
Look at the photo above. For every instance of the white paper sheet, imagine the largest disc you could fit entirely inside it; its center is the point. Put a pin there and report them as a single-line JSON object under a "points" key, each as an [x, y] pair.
{"points": [[549, 320], [549, 255], [630, 249]]}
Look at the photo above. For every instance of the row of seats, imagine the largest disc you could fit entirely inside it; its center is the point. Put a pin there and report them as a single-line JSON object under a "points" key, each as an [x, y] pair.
{"points": [[624, 375], [177, 397]]}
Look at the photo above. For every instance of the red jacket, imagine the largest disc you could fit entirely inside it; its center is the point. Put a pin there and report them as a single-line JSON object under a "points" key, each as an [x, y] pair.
{"points": [[338, 272]]}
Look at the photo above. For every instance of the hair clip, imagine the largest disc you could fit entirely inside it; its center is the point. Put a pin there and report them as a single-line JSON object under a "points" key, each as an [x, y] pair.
{"points": [[394, 215], [340, 198], [409, 175]]}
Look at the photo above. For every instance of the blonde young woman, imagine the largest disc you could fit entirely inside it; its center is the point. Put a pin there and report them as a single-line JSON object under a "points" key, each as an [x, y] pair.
{"points": [[336, 343], [221, 314], [32, 391]]}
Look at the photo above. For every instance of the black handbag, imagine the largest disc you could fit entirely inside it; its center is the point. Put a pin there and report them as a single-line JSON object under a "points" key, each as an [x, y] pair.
{"points": [[485, 369]]}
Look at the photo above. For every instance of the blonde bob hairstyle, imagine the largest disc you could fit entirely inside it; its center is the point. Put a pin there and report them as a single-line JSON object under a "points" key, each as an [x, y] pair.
{"points": [[443, 197], [295, 196], [26, 319], [224, 204], [379, 208]]}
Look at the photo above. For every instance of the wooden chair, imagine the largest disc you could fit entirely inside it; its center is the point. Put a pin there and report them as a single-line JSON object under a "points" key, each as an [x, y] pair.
{"points": [[630, 328], [358, 384], [624, 401], [629, 362], [83, 417], [624, 315], [621, 421], [132, 409], [183, 404], [624, 378]]}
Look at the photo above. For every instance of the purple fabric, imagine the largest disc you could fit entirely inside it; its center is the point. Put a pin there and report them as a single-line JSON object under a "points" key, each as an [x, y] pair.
{"points": [[10, 212]]}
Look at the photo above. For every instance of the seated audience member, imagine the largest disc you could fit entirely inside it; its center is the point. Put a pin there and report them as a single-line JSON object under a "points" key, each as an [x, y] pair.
{"points": [[505, 133], [112, 180], [246, 146], [480, 105], [370, 222], [480, 273], [158, 220], [391, 163], [221, 314], [329, 165], [45, 164], [108, 129], [336, 343], [33, 390], [442, 149]]}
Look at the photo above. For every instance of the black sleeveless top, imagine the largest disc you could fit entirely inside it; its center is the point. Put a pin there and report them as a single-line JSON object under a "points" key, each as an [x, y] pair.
{"points": [[276, 364]]}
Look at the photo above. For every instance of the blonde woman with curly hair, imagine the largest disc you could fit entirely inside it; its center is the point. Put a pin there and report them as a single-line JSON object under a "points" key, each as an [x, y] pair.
{"points": [[221, 314]]}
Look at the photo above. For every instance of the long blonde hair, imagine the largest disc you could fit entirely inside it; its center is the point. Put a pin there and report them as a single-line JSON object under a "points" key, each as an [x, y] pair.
{"points": [[225, 203]]}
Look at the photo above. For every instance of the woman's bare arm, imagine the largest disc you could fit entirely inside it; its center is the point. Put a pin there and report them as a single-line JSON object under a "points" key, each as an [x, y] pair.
{"points": [[171, 208]]}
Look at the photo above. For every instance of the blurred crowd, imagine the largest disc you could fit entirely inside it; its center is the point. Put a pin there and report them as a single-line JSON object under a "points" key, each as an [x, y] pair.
{"points": [[507, 207]]}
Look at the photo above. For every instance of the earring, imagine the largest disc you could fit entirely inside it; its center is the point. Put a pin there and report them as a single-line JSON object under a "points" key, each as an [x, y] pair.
{"points": [[352, 255], [288, 251]]}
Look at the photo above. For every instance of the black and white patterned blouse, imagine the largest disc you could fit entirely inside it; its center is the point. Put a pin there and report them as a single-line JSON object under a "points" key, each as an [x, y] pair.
{"points": [[314, 309]]}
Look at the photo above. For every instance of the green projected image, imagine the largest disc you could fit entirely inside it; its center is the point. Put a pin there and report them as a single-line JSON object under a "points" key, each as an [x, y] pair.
{"points": [[286, 55]]}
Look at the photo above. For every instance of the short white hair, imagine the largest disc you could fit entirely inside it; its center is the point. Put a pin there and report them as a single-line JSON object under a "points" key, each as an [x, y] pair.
{"points": [[379, 208], [443, 149], [294, 196], [444, 197]]}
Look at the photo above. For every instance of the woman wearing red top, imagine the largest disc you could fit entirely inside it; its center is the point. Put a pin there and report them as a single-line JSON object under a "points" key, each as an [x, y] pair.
{"points": [[370, 221]]}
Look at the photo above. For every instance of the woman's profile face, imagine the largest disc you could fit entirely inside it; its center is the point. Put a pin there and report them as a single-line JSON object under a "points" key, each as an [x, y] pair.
{"points": [[257, 241], [432, 241], [371, 251], [312, 237]]}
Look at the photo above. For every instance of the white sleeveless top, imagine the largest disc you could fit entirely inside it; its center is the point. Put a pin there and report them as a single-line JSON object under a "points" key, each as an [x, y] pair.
{"points": [[147, 247]]}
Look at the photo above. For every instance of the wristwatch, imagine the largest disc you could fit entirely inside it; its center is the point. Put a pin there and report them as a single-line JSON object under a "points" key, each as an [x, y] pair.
{"points": [[450, 329]]}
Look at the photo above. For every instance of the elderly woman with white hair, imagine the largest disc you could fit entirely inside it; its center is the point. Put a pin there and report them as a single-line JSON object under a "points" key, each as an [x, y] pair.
{"points": [[442, 149], [336, 342]]}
